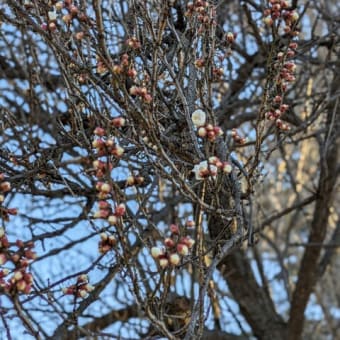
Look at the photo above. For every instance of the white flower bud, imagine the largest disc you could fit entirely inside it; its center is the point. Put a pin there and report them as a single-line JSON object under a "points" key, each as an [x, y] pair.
{"points": [[198, 118]]}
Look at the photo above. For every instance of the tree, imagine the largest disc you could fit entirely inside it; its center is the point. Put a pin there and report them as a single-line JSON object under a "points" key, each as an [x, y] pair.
{"points": [[169, 169]]}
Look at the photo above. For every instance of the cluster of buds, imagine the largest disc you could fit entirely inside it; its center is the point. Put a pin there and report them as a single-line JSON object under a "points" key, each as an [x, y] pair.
{"points": [[18, 280], [217, 72], [141, 92], [5, 187], [125, 67], [104, 190], [106, 145], [230, 37], [277, 10], [284, 67], [276, 113], [118, 122], [174, 248], [287, 73], [203, 12], [72, 12], [210, 132], [134, 180], [237, 138], [146, 140], [210, 168], [101, 67], [101, 168], [133, 43], [105, 210], [106, 243], [205, 130], [200, 63], [81, 289]]}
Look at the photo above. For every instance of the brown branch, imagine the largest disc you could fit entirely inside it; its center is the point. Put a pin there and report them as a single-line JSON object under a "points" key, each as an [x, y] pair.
{"points": [[255, 305], [308, 273]]}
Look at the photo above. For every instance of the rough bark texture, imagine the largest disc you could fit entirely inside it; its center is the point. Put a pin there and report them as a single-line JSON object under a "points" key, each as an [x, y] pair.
{"points": [[255, 305], [308, 273]]}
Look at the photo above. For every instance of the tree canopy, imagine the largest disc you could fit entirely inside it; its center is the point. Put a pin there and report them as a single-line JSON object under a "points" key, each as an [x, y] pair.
{"points": [[169, 169]]}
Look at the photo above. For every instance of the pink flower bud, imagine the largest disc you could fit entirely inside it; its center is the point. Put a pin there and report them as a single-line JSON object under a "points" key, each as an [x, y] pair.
{"points": [[73, 10], [110, 143], [30, 255], [139, 179], [18, 276], [3, 259], [67, 19], [199, 63], [117, 69], [147, 98], [88, 288], [202, 132], [293, 45], [5, 186], [112, 240], [230, 37], [106, 188], [103, 236], [12, 211], [21, 285], [103, 205], [188, 241], [4, 242], [268, 21], [82, 293], [227, 168], [82, 278], [120, 210], [190, 223], [99, 131], [174, 229], [67, 291], [284, 108], [294, 16], [134, 91], [211, 135], [277, 99], [174, 259], [132, 73], [59, 6], [118, 122], [168, 242], [218, 131], [112, 219], [163, 262], [28, 277], [156, 252], [98, 143], [213, 160], [130, 180], [278, 123], [15, 257], [182, 249], [118, 151]]}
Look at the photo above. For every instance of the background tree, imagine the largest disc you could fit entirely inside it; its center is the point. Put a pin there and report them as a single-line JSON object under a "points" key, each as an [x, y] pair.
{"points": [[174, 166]]}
